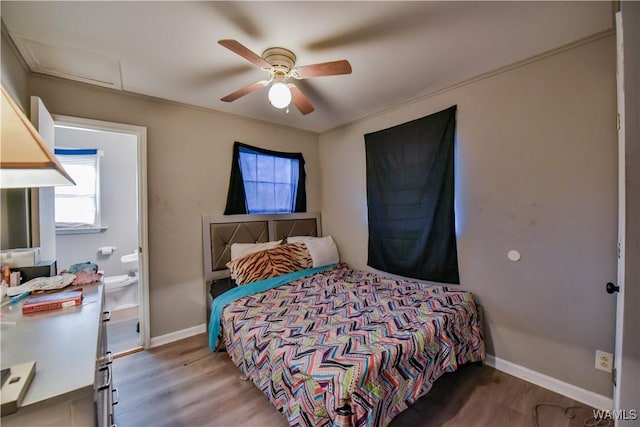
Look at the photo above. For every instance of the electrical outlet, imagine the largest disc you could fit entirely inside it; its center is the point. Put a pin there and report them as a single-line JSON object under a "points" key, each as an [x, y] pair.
{"points": [[604, 361]]}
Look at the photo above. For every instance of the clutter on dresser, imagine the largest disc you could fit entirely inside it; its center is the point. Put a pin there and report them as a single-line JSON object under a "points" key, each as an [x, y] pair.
{"points": [[42, 284], [21, 266], [40, 269], [46, 291], [85, 272]]}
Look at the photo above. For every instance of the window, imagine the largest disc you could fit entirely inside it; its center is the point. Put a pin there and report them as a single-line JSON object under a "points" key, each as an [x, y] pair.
{"points": [[265, 181], [270, 182], [78, 206]]}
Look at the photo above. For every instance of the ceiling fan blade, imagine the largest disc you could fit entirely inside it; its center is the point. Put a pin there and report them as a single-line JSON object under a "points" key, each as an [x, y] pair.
{"points": [[245, 91], [238, 14], [332, 68], [390, 23], [300, 100], [243, 51]]}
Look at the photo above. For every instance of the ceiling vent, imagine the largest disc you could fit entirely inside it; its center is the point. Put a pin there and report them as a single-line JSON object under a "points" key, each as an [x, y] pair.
{"points": [[72, 64]]}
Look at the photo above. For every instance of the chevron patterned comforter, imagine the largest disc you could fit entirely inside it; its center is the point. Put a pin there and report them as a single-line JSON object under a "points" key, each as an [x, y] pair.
{"points": [[349, 348]]}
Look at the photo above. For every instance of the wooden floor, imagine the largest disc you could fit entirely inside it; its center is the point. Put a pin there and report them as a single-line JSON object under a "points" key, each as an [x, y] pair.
{"points": [[183, 384], [123, 335]]}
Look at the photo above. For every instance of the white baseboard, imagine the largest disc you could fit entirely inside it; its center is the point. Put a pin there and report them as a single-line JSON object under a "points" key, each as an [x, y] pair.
{"points": [[587, 397], [178, 335]]}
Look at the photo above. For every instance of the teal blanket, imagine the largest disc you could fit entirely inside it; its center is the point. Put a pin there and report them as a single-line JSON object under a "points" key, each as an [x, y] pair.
{"points": [[236, 293]]}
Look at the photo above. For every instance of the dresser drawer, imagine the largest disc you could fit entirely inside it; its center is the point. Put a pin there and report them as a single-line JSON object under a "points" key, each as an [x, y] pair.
{"points": [[106, 395]]}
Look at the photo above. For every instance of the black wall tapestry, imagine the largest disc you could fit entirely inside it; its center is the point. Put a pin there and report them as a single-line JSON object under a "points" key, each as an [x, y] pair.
{"points": [[410, 198]]}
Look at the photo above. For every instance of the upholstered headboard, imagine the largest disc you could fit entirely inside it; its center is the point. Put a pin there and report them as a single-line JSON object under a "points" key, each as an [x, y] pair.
{"points": [[220, 232]]}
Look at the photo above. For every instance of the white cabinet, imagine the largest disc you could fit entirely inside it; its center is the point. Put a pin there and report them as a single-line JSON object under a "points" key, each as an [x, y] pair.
{"points": [[73, 384]]}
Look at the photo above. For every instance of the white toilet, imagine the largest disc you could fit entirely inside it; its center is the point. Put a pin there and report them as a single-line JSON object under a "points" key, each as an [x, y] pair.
{"points": [[121, 292]]}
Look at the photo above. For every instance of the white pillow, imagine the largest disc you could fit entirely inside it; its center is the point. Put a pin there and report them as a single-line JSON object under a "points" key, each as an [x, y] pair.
{"points": [[323, 250], [240, 250]]}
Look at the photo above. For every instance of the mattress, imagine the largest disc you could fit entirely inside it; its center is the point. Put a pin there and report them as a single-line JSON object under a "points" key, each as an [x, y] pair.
{"points": [[344, 347]]}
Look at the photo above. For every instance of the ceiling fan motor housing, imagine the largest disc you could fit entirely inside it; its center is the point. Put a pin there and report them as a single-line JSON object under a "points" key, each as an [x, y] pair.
{"points": [[282, 60]]}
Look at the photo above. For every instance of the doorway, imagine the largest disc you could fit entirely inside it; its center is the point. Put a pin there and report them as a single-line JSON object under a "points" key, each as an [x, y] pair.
{"points": [[119, 244]]}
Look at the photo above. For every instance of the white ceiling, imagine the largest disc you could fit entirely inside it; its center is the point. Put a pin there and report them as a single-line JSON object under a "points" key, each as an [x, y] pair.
{"points": [[399, 51]]}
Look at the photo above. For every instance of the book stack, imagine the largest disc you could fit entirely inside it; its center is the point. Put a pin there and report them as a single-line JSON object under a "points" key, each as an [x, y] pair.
{"points": [[43, 302]]}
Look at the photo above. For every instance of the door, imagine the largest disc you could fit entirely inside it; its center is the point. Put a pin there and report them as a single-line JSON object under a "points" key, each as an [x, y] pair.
{"points": [[627, 352], [43, 222]]}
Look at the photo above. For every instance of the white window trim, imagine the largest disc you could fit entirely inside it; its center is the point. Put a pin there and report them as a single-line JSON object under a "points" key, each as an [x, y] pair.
{"points": [[81, 230]]}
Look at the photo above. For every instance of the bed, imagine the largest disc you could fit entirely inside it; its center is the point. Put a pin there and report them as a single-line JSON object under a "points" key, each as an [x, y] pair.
{"points": [[332, 345]]}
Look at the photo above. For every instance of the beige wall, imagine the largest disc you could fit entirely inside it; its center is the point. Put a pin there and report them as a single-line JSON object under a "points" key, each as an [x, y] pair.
{"points": [[189, 162], [536, 172], [14, 75]]}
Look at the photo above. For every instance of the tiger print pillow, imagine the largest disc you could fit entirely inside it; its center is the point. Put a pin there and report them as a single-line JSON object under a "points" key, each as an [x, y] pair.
{"points": [[270, 263]]}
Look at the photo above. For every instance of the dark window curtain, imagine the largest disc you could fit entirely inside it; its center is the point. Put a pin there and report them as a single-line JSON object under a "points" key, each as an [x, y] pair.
{"points": [[236, 198], [410, 198]]}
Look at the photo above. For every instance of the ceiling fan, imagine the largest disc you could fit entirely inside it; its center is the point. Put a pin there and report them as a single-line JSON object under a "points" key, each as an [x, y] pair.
{"points": [[279, 63]]}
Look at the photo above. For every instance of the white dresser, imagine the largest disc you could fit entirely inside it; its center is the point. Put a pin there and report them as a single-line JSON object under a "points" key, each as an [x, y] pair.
{"points": [[73, 383]]}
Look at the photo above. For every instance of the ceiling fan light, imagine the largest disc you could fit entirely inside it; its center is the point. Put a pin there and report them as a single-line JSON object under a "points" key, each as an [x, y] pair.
{"points": [[279, 95]]}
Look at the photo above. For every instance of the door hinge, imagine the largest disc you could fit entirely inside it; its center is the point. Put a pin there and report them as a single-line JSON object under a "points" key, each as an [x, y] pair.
{"points": [[613, 377], [618, 121], [618, 250]]}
